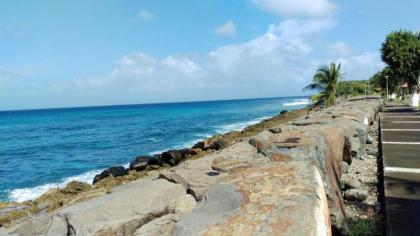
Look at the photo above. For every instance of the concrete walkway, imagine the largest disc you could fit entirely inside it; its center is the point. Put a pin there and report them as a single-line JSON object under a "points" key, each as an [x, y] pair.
{"points": [[400, 136]]}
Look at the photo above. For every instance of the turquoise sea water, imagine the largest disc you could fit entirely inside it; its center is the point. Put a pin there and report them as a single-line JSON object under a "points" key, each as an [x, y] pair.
{"points": [[41, 149]]}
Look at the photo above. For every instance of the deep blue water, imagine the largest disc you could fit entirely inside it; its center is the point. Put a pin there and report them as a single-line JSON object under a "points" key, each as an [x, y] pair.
{"points": [[40, 149]]}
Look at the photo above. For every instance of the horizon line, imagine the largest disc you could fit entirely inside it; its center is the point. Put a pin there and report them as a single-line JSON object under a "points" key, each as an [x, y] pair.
{"points": [[134, 104]]}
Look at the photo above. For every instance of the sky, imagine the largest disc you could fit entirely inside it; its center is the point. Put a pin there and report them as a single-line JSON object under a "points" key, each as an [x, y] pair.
{"points": [[108, 52]]}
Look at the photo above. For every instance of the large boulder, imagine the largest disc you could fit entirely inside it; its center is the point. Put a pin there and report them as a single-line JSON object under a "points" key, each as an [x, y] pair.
{"points": [[196, 175], [157, 159], [127, 208], [140, 163], [322, 147], [172, 157], [271, 199], [114, 171]]}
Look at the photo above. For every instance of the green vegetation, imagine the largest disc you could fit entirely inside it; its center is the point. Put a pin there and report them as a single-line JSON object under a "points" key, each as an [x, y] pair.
{"points": [[366, 227], [326, 80], [401, 52], [354, 87]]}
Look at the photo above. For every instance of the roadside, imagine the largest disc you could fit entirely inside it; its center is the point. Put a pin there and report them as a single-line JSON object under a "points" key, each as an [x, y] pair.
{"points": [[362, 190]]}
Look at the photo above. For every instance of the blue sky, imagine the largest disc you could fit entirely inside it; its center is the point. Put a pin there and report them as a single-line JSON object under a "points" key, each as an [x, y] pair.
{"points": [[80, 53]]}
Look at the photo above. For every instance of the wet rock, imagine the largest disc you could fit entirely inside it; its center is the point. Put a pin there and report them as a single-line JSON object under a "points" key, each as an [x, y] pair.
{"points": [[188, 152], [199, 145], [283, 112], [172, 157], [217, 145], [156, 160], [356, 195], [140, 163], [111, 171]]}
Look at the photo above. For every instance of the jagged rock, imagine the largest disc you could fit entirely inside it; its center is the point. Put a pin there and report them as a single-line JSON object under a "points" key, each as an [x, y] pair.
{"points": [[352, 184], [194, 175], [368, 139], [250, 201], [275, 130], [356, 195], [113, 214], [156, 160], [187, 152], [320, 145], [344, 167], [111, 171], [183, 204], [217, 145], [172, 157], [140, 163], [372, 151], [199, 145], [161, 226], [239, 155], [283, 112]]}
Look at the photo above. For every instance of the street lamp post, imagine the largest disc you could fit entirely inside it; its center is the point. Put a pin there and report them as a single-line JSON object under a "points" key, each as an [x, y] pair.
{"points": [[387, 95]]}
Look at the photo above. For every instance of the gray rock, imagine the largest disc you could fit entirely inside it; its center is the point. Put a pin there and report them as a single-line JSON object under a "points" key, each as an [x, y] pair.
{"points": [[161, 226], [352, 184], [368, 139], [372, 151], [111, 171], [139, 163], [356, 195], [172, 157], [220, 201], [344, 167], [121, 212], [275, 130]]}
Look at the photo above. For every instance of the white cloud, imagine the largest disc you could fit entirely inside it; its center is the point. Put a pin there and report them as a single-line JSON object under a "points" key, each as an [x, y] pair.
{"points": [[340, 48], [360, 66], [297, 7], [279, 62], [227, 29], [276, 63], [146, 15]]}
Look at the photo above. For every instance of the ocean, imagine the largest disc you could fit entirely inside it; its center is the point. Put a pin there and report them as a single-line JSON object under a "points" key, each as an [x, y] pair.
{"points": [[46, 148]]}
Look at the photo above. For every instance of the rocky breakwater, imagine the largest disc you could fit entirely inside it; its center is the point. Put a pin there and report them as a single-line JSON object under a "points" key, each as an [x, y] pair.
{"points": [[282, 181]]}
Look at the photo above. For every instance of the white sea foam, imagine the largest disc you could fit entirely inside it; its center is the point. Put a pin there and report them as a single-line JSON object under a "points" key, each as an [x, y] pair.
{"points": [[238, 126], [25, 194], [297, 102]]}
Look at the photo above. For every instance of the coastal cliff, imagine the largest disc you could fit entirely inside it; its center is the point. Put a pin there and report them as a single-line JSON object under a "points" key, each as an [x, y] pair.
{"points": [[284, 180]]}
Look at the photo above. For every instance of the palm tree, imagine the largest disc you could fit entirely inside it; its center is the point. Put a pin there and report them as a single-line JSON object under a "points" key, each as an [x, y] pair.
{"points": [[326, 80]]}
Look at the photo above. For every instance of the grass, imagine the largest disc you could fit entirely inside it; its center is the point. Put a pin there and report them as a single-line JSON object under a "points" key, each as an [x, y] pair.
{"points": [[366, 227]]}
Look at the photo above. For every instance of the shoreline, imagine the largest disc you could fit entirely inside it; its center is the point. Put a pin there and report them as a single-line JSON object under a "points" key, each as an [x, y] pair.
{"points": [[61, 194], [306, 155]]}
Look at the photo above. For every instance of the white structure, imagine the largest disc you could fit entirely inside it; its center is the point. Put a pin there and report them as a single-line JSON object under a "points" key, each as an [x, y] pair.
{"points": [[414, 100]]}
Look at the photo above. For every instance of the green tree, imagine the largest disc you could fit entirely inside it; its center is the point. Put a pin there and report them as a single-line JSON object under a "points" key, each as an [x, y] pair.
{"points": [[378, 80], [401, 51], [326, 80]]}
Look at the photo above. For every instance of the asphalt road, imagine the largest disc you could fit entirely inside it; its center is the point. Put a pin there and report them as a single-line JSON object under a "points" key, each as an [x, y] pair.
{"points": [[400, 136]]}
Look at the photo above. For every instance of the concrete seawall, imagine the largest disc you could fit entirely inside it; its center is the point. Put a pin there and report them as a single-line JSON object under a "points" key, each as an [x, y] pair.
{"points": [[283, 181]]}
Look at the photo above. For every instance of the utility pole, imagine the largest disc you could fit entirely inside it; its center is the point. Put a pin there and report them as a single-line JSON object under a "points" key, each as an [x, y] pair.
{"points": [[387, 96]]}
